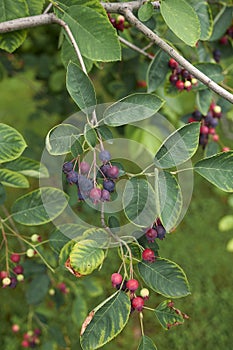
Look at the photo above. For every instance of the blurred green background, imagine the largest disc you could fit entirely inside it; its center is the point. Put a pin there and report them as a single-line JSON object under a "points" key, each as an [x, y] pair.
{"points": [[33, 98]]}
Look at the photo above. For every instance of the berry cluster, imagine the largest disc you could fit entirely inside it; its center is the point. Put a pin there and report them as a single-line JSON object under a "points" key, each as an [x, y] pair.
{"points": [[155, 231], [31, 339], [181, 78], [17, 273], [224, 40], [87, 186], [209, 123], [118, 22], [137, 302]]}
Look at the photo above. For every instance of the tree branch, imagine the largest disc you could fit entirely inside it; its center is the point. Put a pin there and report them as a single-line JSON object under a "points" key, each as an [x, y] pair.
{"points": [[173, 53], [135, 48]]}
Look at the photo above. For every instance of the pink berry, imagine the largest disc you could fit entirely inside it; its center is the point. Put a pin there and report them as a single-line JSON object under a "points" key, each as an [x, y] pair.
{"points": [[226, 149], [15, 257], [25, 344], [148, 255], [180, 85], [84, 167], [3, 274], [215, 138], [138, 303], [132, 285], [18, 269], [95, 194], [116, 279], [204, 129], [113, 172], [211, 131], [15, 328], [151, 234]]}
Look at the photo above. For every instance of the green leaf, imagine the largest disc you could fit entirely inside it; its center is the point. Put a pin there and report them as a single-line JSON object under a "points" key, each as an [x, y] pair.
{"points": [[37, 289], [80, 88], [65, 253], [35, 7], [164, 277], [218, 170], [94, 34], [97, 235], [132, 108], [13, 179], [182, 20], [90, 135], [146, 344], [2, 194], [212, 70], [169, 199], [40, 206], [85, 257], [205, 17], [28, 167], [12, 143], [157, 71], [8, 10], [167, 316], [211, 149], [109, 319], [94, 287], [139, 202], [76, 148], [79, 310], [105, 133], [145, 11], [68, 54], [226, 223], [203, 100], [60, 139], [180, 146], [221, 23]]}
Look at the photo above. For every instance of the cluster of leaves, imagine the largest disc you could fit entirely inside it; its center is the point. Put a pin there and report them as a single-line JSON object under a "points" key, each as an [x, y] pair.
{"points": [[83, 248]]}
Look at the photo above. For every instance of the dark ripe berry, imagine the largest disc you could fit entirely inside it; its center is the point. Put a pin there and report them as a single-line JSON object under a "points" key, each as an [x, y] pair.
{"points": [[132, 285], [137, 303], [37, 331], [217, 55], [13, 283], [148, 255], [161, 232], [116, 279], [95, 194], [81, 196], [104, 168], [109, 185], [15, 257], [173, 64], [173, 79], [104, 156], [105, 195], [18, 269], [185, 74], [113, 172], [72, 177], [84, 167], [180, 85], [84, 184], [151, 234], [203, 140], [224, 40], [230, 31], [204, 129], [210, 120], [67, 167], [197, 115]]}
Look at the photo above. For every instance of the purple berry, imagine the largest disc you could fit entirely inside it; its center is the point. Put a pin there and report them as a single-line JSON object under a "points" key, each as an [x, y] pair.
{"points": [[95, 194], [84, 184], [13, 283], [104, 156], [72, 177], [173, 79], [67, 167], [161, 232], [18, 270], [151, 234], [185, 74], [105, 195], [113, 172], [109, 185], [104, 168], [197, 115], [84, 167], [217, 55]]}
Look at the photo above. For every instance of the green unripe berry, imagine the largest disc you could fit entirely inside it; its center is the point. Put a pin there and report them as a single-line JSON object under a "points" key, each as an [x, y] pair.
{"points": [[20, 277], [51, 291], [144, 292], [6, 281], [30, 252], [35, 238]]}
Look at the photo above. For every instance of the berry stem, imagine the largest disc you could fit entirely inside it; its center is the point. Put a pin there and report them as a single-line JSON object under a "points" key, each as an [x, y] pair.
{"points": [[141, 322], [6, 246]]}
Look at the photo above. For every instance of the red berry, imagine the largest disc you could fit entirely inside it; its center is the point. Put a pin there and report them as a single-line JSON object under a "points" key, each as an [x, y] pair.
{"points": [[224, 40], [15, 257], [226, 149], [113, 172], [151, 234], [25, 344], [211, 131], [148, 255], [141, 83], [132, 285], [3, 274], [116, 279], [204, 129], [173, 64], [180, 85], [137, 303], [18, 270], [95, 194], [191, 120], [215, 138]]}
